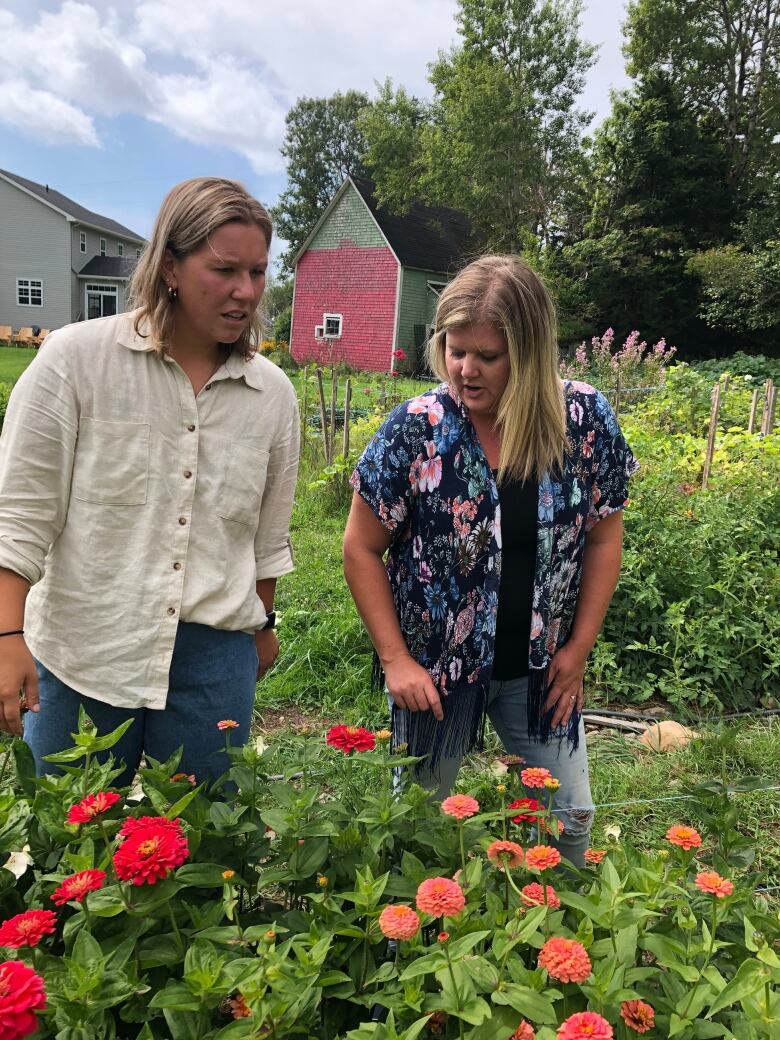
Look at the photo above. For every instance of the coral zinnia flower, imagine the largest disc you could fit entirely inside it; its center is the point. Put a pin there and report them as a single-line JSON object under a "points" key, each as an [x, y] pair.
{"points": [[565, 960], [350, 738], [227, 724], [594, 855], [76, 886], [461, 806], [712, 883], [505, 854], [238, 1006], [535, 777], [523, 1032], [441, 897], [27, 929], [542, 857], [637, 1015], [91, 806], [685, 837], [150, 850], [531, 807], [399, 922], [533, 895], [21, 994], [585, 1025]]}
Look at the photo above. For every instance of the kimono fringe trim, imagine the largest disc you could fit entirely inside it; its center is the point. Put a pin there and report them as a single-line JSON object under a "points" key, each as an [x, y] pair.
{"points": [[540, 730]]}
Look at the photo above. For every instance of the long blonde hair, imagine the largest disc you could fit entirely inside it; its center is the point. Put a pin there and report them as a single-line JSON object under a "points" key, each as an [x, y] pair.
{"points": [[505, 292], [191, 212]]}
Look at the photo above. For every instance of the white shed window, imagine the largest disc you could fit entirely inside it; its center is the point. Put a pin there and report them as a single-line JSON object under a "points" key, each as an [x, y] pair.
{"points": [[102, 247], [120, 249], [83, 241], [331, 324], [29, 292]]}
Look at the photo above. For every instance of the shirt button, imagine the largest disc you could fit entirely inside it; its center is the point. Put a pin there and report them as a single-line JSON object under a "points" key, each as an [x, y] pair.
{"points": [[188, 473], [207, 386], [191, 427], [177, 566], [171, 611], [182, 520]]}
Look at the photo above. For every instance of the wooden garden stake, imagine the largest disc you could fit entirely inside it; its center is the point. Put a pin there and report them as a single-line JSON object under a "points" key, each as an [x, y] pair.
{"points": [[766, 416], [347, 409], [770, 416], [323, 415], [714, 412], [753, 409], [334, 400], [305, 405]]}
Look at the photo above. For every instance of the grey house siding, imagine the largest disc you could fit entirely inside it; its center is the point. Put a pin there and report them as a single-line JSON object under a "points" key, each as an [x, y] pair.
{"points": [[78, 259], [35, 242]]}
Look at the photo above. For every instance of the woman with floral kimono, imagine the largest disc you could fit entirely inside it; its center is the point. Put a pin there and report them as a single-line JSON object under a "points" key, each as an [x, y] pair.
{"points": [[497, 497]]}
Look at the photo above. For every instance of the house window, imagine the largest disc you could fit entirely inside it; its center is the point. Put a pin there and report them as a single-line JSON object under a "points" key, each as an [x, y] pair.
{"points": [[102, 247], [29, 292], [120, 249], [319, 331], [138, 254], [331, 324], [83, 241], [436, 287], [101, 300]]}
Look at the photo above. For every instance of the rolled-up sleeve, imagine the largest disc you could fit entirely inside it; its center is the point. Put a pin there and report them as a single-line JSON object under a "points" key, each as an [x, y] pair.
{"points": [[36, 462], [273, 547]]}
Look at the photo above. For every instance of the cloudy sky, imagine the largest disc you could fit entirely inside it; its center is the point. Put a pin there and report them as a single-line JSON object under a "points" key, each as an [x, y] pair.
{"points": [[112, 103]]}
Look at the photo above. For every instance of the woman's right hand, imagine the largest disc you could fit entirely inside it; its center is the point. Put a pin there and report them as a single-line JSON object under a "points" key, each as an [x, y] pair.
{"points": [[17, 674], [411, 687]]}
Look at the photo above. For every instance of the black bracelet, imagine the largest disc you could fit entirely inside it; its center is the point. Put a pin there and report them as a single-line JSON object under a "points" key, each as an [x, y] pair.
{"points": [[18, 632]]}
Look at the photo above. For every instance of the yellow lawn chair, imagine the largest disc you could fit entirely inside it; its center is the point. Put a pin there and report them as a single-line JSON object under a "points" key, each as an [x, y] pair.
{"points": [[6, 333], [24, 337]]}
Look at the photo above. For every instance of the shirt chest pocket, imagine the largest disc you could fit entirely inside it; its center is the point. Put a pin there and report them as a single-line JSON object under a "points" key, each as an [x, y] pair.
{"points": [[243, 484], [111, 465]]}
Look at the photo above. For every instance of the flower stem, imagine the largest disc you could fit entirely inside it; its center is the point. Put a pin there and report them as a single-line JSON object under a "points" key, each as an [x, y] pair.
{"points": [[6, 756], [462, 849], [176, 931], [707, 958]]}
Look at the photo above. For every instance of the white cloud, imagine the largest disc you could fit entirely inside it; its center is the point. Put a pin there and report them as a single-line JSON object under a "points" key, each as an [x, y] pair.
{"points": [[44, 117]]}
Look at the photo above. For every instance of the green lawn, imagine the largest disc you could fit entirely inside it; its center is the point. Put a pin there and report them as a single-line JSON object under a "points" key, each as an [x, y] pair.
{"points": [[13, 361]]}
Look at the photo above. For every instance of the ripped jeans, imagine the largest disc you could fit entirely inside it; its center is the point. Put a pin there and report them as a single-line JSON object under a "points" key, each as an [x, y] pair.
{"points": [[572, 802]]}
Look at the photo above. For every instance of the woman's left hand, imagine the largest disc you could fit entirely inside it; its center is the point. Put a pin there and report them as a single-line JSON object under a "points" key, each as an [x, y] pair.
{"points": [[565, 684], [267, 643]]}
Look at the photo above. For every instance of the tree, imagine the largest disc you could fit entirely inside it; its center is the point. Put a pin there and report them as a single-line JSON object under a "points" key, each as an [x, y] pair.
{"points": [[503, 128], [740, 289], [323, 145]]}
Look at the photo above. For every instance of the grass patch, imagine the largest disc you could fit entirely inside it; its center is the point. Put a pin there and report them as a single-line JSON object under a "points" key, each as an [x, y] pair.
{"points": [[13, 361]]}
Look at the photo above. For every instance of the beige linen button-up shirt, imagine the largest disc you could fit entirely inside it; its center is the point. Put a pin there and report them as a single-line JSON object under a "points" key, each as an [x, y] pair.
{"points": [[129, 504]]}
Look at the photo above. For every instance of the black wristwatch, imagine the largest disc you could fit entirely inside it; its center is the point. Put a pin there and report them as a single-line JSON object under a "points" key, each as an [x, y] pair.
{"points": [[270, 621]]}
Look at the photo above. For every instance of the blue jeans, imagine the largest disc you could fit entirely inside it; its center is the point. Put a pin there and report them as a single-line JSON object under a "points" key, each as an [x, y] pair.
{"points": [[213, 676], [507, 709]]}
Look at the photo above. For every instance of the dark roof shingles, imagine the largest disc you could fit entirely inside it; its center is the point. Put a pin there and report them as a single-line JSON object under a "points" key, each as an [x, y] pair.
{"points": [[70, 207], [109, 267], [432, 238]]}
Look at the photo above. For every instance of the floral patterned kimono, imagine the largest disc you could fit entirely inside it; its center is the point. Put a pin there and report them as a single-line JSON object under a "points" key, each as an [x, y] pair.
{"points": [[426, 478]]}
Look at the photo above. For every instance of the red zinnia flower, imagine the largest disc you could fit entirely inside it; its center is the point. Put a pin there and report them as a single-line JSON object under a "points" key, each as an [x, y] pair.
{"points": [[441, 897], [350, 738], [505, 854], [93, 805], [27, 929], [535, 776], [595, 855], [533, 895], [532, 807], [585, 1025], [565, 960], [461, 806], [399, 922], [711, 882], [76, 886], [542, 857], [21, 995], [524, 1031], [145, 823], [685, 837], [150, 851], [637, 1015]]}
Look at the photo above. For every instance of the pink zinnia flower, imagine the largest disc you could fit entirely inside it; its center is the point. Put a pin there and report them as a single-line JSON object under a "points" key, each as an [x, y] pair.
{"points": [[440, 897], [505, 854], [713, 884], [461, 806], [535, 777], [686, 837], [533, 895], [227, 724], [585, 1025], [594, 855], [523, 1032], [399, 922], [565, 960], [22, 993]]}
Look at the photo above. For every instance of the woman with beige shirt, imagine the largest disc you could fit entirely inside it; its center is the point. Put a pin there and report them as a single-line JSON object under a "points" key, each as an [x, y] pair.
{"points": [[147, 470]]}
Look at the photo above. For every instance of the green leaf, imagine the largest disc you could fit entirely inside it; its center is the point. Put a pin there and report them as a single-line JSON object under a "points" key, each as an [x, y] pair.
{"points": [[463, 945], [424, 966], [86, 950], [25, 767], [177, 996], [178, 807], [749, 978], [200, 875], [527, 1002]]}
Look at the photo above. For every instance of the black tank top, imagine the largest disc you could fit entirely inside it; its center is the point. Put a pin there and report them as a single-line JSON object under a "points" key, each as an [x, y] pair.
{"points": [[519, 509]]}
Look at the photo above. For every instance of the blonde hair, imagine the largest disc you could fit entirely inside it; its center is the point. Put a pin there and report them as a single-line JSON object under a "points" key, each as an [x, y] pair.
{"points": [[503, 291], [191, 212]]}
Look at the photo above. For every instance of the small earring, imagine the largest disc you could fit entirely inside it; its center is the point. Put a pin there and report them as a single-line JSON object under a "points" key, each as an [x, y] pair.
{"points": [[172, 293]]}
